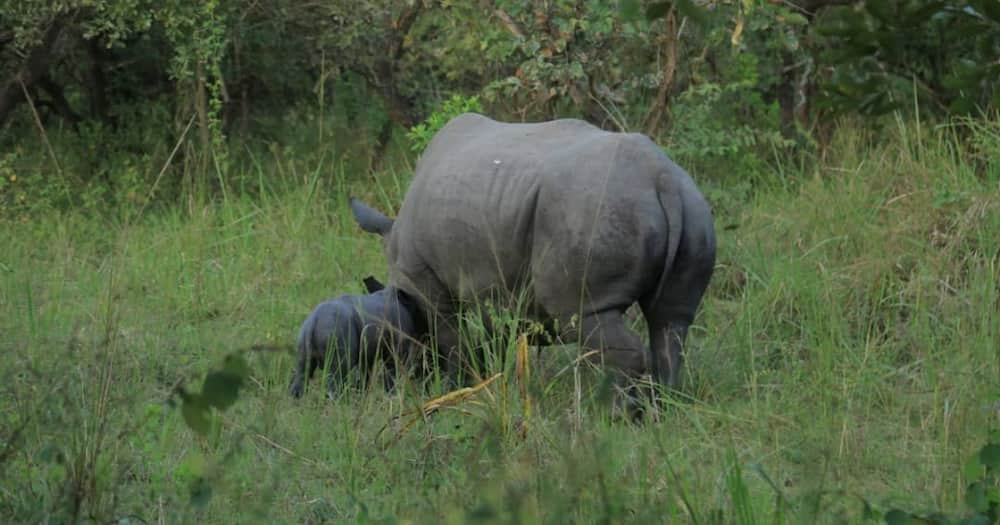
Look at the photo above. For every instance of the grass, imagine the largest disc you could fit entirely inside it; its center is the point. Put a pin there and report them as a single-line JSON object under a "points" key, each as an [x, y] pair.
{"points": [[847, 352]]}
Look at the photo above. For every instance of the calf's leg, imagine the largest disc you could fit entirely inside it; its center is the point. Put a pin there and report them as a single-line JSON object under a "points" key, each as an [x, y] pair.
{"points": [[297, 383], [341, 356]]}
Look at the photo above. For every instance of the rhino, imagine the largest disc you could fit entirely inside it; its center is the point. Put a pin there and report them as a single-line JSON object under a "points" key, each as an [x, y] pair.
{"points": [[583, 221], [355, 332]]}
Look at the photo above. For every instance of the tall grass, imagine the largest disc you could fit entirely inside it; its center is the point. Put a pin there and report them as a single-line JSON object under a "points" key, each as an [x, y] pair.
{"points": [[847, 352]]}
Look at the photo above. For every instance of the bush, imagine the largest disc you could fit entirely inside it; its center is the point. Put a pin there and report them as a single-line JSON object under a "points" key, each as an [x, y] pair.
{"points": [[421, 134]]}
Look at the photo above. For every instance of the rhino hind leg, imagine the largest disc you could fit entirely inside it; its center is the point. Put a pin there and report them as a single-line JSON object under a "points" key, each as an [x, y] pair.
{"points": [[448, 356], [669, 315], [297, 384], [305, 367], [306, 358]]}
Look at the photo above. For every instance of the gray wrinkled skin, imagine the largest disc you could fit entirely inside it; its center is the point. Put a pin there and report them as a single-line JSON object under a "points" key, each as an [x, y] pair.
{"points": [[586, 221], [355, 332]]}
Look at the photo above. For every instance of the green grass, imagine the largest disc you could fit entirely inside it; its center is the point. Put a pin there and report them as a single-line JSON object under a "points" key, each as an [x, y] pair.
{"points": [[848, 349]]}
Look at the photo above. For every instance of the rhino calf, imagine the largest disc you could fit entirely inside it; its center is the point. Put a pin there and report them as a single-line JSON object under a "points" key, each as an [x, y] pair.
{"points": [[350, 334]]}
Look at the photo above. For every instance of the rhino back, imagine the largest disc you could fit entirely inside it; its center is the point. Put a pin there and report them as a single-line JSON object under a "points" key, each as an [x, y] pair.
{"points": [[569, 207], [333, 322], [383, 308]]}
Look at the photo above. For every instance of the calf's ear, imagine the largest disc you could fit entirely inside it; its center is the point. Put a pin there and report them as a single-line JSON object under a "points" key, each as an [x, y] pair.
{"points": [[370, 219], [372, 284]]}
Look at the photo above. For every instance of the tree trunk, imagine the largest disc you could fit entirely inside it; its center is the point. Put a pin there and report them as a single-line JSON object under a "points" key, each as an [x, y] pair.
{"points": [[201, 106], [785, 93], [96, 84], [401, 113], [655, 117], [383, 78], [57, 100], [812, 6], [794, 87]]}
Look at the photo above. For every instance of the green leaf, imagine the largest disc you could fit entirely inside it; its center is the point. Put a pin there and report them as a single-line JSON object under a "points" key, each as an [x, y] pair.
{"points": [[962, 106], [881, 9], [193, 466], [629, 9], [956, 81], [989, 455], [869, 513], [841, 21], [973, 468], [796, 19], [921, 15], [196, 414], [898, 517], [975, 497], [988, 8], [50, 453], [200, 491], [658, 10], [697, 14], [221, 390], [236, 365], [222, 387], [977, 519]]}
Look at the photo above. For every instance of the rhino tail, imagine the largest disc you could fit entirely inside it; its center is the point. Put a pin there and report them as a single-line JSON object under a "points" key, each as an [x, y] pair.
{"points": [[370, 219], [673, 210]]}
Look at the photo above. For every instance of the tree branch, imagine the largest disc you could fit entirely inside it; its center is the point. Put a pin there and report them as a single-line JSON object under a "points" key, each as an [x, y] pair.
{"points": [[96, 84], [654, 119], [57, 100], [509, 23], [811, 7], [34, 68]]}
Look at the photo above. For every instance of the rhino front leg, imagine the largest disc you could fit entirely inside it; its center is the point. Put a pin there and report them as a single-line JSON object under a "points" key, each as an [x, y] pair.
{"points": [[342, 353], [606, 336], [613, 343]]}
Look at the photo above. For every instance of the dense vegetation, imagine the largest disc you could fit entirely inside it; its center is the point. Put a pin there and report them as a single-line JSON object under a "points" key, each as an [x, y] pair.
{"points": [[172, 203]]}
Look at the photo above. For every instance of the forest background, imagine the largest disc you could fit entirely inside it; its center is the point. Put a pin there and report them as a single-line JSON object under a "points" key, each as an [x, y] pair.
{"points": [[173, 178]]}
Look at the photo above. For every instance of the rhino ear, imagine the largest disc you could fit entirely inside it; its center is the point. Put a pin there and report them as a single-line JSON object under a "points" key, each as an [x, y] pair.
{"points": [[370, 219], [372, 284]]}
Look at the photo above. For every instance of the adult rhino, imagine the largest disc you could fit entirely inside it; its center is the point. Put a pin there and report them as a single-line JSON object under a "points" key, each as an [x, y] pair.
{"points": [[586, 221]]}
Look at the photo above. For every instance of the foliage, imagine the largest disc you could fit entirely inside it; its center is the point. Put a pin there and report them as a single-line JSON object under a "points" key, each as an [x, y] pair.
{"points": [[114, 21], [197, 35], [884, 53], [220, 390], [732, 110], [569, 58], [175, 90], [421, 134], [982, 492]]}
